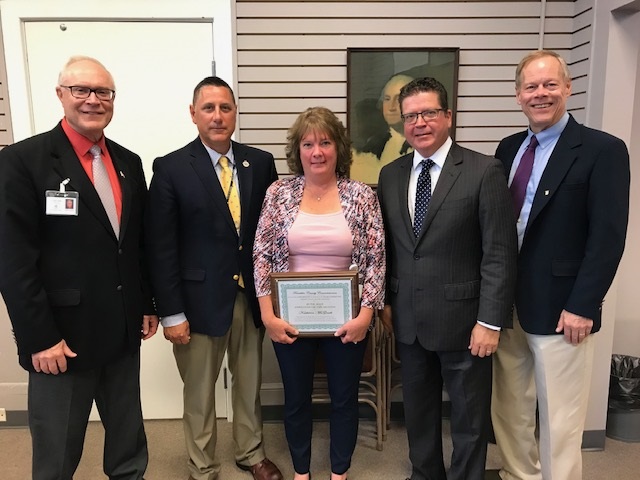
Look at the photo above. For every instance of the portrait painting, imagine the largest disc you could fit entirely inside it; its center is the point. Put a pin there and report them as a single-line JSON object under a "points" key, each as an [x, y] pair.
{"points": [[374, 80]]}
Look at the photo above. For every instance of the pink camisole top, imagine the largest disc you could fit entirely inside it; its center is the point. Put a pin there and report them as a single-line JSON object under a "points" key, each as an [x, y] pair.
{"points": [[319, 243]]}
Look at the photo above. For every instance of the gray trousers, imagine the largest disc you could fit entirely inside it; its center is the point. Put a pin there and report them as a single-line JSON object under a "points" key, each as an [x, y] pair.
{"points": [[59, 408]]}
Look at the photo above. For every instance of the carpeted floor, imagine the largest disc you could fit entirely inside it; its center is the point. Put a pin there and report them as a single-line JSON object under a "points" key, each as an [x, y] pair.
{"points": [[619, 461]]}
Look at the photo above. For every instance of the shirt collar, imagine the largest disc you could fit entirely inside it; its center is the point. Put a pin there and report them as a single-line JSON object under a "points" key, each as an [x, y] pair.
{"points": [[548, 135], [79, 142], [215, 156], [438, 157]]}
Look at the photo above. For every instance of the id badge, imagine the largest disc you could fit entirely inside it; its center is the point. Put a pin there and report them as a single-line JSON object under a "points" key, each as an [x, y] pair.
{"points": [[61, 202]]}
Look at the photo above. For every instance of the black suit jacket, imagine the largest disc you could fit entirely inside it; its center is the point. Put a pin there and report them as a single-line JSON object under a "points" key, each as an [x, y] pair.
{"points": [[575, 236], [68, 277], [461, 268], [194, 247]]}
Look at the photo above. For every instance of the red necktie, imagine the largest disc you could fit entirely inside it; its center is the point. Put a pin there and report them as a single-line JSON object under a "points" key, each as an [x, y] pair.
{"points": [[521, 178]]}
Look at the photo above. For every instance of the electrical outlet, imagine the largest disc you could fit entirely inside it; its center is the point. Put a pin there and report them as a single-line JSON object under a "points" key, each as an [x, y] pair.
{"points": [[3, 415]]}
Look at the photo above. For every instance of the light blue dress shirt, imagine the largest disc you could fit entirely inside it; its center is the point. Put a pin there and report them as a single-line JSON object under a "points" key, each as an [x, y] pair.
{"points": [[547, 140]]}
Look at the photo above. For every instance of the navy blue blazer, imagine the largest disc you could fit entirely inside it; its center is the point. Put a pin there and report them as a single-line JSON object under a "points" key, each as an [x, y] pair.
{"points": [[576, 232], [195, 250]]}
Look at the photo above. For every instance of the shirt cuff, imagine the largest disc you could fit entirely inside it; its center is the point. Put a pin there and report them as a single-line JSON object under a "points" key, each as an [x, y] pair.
{"points": [[488, 325], [173, 320]]}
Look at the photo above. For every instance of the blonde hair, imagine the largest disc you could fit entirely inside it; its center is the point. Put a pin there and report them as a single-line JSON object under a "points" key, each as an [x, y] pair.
{"points": [[536, 55]]}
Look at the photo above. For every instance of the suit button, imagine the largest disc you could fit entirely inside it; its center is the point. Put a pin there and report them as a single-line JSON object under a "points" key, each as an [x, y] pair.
{"points": [[416, 257], [236, 277], [240, 248], [119, 288], [119, 251]]}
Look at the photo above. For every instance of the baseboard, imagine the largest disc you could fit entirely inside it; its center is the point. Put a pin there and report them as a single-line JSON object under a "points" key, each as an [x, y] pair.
{"points": [[591, 440], [16, 419]]}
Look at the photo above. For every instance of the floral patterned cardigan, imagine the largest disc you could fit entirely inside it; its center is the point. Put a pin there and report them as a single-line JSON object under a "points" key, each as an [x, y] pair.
{"points": [[362, 212]]}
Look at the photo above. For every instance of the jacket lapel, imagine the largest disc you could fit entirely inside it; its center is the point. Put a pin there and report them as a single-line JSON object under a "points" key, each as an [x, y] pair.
{"points": [[67, 165], [448, 176], [124, 176], [562, 157], [405, 164], [245, 170], [201, 163]]}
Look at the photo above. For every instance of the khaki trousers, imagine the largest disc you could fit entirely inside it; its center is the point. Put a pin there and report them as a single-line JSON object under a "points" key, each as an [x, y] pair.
{"points": [[546, 371], [199, 365]]}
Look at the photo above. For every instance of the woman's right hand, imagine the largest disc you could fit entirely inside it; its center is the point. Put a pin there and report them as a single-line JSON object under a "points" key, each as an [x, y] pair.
{"points": [[279, 330]]}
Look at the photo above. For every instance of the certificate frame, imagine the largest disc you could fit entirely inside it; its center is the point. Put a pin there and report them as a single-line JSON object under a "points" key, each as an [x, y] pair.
{"points": [[295, 295]]}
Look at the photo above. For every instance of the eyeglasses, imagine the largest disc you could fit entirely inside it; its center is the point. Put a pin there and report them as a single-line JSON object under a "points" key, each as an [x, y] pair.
{"points": [[85, 92], [411, 118]]}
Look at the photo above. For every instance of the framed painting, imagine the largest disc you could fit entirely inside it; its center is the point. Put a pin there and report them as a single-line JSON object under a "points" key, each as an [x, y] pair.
{"points": [[374, 79]]}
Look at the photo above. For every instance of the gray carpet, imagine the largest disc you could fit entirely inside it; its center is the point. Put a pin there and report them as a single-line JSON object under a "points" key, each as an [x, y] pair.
{"points": [[619, 461]]}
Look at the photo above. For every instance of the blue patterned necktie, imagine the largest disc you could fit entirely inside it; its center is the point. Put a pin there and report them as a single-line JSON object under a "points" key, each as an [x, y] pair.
{"points": [[423, 196]]}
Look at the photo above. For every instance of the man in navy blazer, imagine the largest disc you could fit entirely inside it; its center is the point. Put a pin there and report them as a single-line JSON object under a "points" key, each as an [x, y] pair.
{"points": [[202, 276], [76, 289], [450, 282], [571, 234]]}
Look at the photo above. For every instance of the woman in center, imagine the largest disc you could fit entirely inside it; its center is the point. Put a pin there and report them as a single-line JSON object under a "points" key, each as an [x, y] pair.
{"points": [[320, 220]]}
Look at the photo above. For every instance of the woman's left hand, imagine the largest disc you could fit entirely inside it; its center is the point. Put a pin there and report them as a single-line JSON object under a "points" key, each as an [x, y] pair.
{"points": [[355, 330]]}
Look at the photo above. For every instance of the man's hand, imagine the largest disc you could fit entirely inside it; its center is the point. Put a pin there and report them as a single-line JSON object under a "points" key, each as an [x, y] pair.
{"points": [[484, 341], [575, 327], [386, 317], [149, 326], [178, 334], [53, 360]]}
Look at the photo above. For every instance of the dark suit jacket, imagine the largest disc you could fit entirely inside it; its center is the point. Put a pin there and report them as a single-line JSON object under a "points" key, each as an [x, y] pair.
{"points": [[194, 247], [577, 227], [69, 277], [462, 266]]}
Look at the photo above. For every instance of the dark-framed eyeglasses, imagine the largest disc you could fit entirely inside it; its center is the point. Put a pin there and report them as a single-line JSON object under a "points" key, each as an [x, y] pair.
{"points": [[411, 118], [84, 92]]}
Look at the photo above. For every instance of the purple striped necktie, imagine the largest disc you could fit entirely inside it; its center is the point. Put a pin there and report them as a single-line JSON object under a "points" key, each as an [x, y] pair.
{"points": [[521, 178]]}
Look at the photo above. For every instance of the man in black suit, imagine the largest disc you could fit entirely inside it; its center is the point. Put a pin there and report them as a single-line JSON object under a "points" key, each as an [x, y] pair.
{"points": [[73, 278], [451, 274], [205, 200], [572, 221]]}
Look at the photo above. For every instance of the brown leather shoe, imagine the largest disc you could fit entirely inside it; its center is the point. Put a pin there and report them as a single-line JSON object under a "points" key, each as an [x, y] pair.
{"points": [[264, 470]]}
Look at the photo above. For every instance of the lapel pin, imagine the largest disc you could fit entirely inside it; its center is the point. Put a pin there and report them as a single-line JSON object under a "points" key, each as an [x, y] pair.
{"points": [[245, 164], [546, 192], [122, 174]]}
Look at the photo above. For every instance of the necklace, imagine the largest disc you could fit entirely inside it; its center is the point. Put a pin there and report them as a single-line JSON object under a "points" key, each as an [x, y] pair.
{"points": [[316, 196]]}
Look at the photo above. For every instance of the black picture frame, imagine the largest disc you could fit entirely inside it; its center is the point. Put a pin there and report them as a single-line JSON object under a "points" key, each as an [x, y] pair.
{"points": [[369, 71]]}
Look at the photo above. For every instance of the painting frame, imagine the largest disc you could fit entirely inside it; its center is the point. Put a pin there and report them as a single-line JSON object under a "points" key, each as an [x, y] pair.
{"points": [[374, 78]]}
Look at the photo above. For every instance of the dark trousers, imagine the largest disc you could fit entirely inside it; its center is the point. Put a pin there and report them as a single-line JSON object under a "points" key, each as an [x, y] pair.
{"points": [[343, 363], [59, 408], [468, 382]]}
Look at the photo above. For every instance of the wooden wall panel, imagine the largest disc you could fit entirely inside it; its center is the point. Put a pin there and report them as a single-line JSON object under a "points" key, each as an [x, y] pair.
{"points": [[6, 135]]}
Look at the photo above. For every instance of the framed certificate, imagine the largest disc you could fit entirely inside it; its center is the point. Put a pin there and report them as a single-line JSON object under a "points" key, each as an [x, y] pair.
{"points": [[316, 303]]}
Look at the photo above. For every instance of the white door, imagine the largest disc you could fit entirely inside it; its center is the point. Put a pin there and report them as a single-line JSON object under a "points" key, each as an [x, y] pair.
{"points": [[155, 65]]}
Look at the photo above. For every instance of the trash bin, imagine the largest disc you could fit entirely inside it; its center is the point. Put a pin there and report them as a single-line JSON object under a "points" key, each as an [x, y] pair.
{"points": [[623, 416]]}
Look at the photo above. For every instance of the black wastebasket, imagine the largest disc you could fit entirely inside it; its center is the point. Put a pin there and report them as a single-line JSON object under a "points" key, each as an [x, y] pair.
{"points": [[623, 416]]}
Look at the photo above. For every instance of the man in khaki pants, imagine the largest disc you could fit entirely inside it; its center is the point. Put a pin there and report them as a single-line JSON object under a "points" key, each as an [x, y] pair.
{"points": [[570, 188], [204, 203]]}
